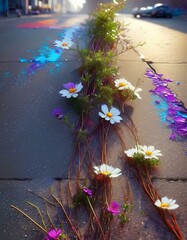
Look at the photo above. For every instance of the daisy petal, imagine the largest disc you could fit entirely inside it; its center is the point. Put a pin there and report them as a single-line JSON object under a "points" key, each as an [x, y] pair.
{"points": [[117, 119], [104, 108], [115, 111], [64, 92], [173, 206]]}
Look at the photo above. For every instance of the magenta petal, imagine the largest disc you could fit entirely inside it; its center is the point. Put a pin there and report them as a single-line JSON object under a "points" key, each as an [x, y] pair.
{"points": [[87, 191], [114, 208], [54, 234]]}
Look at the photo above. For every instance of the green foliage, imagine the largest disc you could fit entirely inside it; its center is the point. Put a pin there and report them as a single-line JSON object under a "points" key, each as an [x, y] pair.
{"points": [[127, 94], [63, 236], [151, 162], [123, 218], [106, 94], [81, 135], [100, 63], [81, 199], [80, 104], [103, 25], [86, 78]]}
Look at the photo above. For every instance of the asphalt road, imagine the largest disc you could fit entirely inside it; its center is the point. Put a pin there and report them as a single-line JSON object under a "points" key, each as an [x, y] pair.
{"points": [[32, 140]]}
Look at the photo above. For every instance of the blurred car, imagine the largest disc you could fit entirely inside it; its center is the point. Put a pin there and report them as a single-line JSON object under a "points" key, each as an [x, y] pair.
{"points": [[34, 12], [158, 10]]}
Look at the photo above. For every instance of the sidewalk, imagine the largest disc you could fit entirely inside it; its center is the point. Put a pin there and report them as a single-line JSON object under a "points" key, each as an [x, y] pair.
{"points": [[170, 177]]}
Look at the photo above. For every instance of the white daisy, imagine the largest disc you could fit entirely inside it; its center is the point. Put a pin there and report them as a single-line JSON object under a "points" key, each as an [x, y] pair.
{"points": [[150, 152], [136, 92], [166, 203], [111, 115], [115, 2], [107, 171], [71, 90], [61, 44], [132, 151], [122, 83]]}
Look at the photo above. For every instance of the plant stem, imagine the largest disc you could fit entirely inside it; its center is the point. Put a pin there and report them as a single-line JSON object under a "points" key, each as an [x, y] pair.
{"points": [[69, 221], [39, 212], [33, 221], [96, 218]]}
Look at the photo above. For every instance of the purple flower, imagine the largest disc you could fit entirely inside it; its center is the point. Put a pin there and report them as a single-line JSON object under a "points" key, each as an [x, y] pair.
{"points": [[71, 89], [87, 191], [58, 113], [114, 208], [69, 85], [53, 234]]}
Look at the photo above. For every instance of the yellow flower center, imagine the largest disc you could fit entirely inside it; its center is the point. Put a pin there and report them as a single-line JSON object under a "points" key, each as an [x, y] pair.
{"points": [[64, 44], [72, 90], [149, 153], [122, 84], [109, 114], [164, 205], [105, 173]]}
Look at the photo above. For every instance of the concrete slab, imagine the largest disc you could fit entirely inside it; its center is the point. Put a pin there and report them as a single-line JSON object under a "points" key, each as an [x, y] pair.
{"points": [[13, 225], [144, 222], [34, 144], [163, 44], [176, 190], [177, 73]]}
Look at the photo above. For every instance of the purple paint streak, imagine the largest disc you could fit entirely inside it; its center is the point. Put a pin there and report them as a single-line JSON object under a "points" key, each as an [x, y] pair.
{"points": [[176, 115]]}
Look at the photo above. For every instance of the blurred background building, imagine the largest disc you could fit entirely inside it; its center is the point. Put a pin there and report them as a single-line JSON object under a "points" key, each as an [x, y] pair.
{"points": [[41, 6]]}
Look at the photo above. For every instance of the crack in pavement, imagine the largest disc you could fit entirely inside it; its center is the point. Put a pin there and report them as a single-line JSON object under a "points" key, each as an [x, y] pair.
{"points": [[170, 179], [32, 179]]}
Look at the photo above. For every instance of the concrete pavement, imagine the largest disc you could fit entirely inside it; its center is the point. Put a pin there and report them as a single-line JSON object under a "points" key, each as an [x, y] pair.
{"points": [[34, 142]]}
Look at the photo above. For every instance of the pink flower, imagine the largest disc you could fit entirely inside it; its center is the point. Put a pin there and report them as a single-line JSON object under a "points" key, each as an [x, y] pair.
{"points": [[87, 191], [114, 208], [53, 234]]}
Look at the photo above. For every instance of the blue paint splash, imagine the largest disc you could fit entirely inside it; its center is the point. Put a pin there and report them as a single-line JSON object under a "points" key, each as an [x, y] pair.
{"points": [[161, 106], [47, 54], [171, 110]]}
